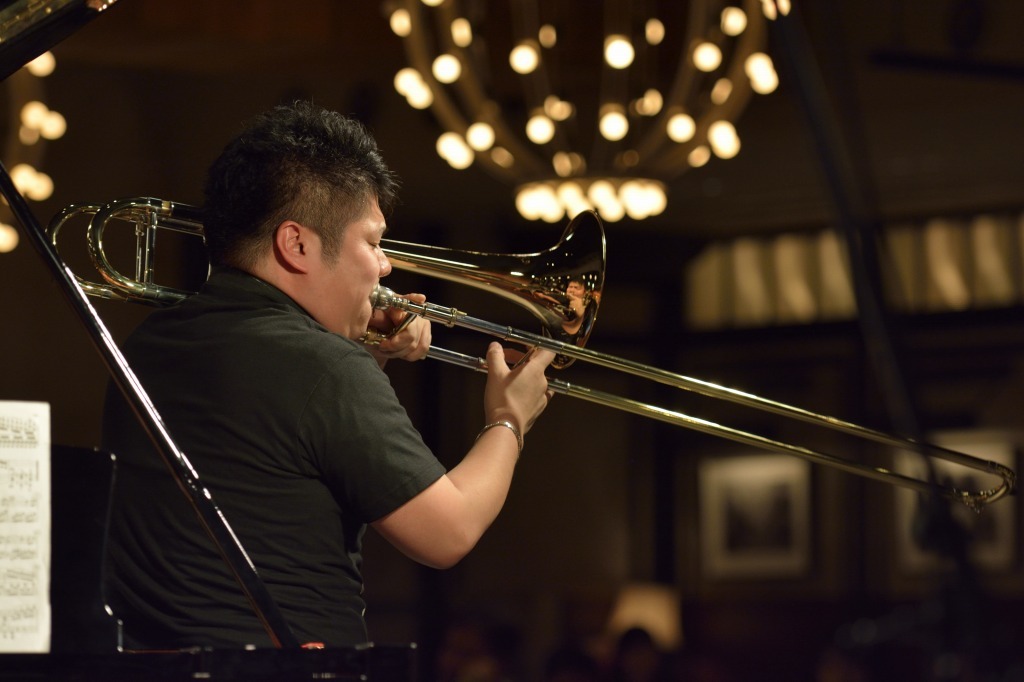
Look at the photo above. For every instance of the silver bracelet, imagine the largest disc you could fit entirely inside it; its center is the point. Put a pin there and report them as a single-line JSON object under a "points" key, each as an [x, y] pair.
{"points": [[510, 425]]}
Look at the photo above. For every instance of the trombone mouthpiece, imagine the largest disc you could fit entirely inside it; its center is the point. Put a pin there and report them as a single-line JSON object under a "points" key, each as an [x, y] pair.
{"points": [[383, 298]]}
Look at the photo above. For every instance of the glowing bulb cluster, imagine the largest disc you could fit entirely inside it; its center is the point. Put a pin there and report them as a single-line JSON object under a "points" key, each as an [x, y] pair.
{"points": [[34, 184], [612, 198], [410, 84], [37, 122], [699, 125]]}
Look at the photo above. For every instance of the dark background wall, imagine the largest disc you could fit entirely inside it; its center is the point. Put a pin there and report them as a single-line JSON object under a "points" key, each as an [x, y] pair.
{"points": [[152, 90]]}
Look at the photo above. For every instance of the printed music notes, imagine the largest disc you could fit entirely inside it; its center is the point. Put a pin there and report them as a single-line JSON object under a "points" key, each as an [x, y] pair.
{"points": [[24, 527]]}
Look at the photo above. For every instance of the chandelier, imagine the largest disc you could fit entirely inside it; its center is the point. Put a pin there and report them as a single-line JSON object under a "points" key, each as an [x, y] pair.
{"points": [[577, 117]]}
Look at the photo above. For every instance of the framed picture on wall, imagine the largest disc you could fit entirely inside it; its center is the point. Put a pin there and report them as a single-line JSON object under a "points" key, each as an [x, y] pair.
{"points": [[755, 516], [992, 533]]}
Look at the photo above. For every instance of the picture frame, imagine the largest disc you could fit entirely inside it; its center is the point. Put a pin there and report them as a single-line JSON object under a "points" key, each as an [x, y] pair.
{"points": [[992, 533], [755, 517]]}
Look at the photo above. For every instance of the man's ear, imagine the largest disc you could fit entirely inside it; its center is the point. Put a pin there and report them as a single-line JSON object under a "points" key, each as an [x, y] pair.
{"points": [[291, 246]]}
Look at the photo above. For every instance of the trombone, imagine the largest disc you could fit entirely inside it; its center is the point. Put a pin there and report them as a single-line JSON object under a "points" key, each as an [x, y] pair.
{"points": [[540, 282]]}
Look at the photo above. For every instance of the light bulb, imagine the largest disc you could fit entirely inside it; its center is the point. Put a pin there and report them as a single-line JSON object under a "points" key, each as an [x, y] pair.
{"points": [[721, 91], [548, 36], [54, 126], [524, 58], [462, 32], [734, 21], [618, 51], [43, 65], [540, 129], [502, 157], [401, 22], [654, 31], [707, 57], [446, 68], [8, 238], [698, 156], [453, 149], [761, 72], [480, 136], [681, 128], [724, 141], [613, 124], [34, 113]]}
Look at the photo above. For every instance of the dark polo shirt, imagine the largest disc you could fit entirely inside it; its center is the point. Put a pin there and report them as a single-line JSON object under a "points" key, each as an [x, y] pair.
{"points": [[300, 438]]}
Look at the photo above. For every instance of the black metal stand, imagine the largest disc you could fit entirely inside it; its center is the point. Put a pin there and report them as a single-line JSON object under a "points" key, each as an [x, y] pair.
{"points": [[951, 624], [184, 474]]}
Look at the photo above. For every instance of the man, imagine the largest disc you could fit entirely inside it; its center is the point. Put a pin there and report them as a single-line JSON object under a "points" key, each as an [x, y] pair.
{"points": [[287, 417]]}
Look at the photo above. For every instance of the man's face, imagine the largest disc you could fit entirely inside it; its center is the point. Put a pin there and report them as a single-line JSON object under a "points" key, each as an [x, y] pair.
{"points": [[340, 291], [575, 289]]}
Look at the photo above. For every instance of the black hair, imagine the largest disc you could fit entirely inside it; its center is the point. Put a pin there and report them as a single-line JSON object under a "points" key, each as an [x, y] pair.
{"points": [[300, 162]]}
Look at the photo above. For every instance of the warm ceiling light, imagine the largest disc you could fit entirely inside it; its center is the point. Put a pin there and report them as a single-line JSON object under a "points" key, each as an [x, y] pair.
{"points": [[650, 104], [654, 31], [407, 79], [480, 136], [601, 192], [642, 199], [639, 139], [568, 164], [721, 91], [524, 57], [410, 84], [724, 141], [681, 128], [462, 32], [618, 51], [453, 149], [613, 123], [734, 21], [32, 183], [557, 109], [35, 123], [446, 68], [43, 65], [548, 36], [401, 22], [538, 201], [34, 113], [28, 136], [540, 129], [421, 98], [562, 164], [698, 156], [761, 72], [707, 57], [8, 238], [54, 126], [502, 157]]}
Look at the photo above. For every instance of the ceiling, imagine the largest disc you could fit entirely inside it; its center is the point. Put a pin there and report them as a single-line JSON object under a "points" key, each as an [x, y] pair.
{"points": [[928, 92]]}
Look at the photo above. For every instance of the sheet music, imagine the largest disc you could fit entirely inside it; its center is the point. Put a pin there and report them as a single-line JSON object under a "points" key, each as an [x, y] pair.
{"points": [[24, 527]]}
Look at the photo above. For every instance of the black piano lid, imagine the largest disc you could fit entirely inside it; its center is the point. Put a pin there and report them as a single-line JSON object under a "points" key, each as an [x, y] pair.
{"points": [[28, 28]]}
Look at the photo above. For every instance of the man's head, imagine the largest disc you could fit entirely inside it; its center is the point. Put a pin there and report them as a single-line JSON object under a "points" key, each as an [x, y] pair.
{"points": [[297, 162]]}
